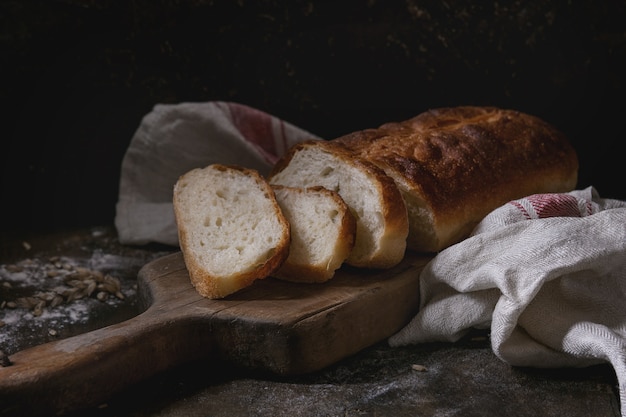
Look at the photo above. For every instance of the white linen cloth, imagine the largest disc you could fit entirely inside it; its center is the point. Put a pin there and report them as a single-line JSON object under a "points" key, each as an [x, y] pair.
{"points": [[175, 138], [546, 274]]}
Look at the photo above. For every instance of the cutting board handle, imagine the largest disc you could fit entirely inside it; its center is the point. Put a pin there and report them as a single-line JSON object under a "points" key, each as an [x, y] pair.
{"points": [[87, 369]]}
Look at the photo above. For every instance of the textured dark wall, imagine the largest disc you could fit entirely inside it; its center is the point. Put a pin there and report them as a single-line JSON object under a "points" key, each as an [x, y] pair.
{"points": [[76, 77]]}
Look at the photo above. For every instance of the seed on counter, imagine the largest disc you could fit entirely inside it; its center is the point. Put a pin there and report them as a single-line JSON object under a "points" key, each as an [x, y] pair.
{"points": [[26, 302], [81, 273], [110, 284], [45, 296], [99, 276], [76, 283], [91, 287], [13, 268], [38, 308], [113, 282], [52, 273], [74, 294], [418, 368], [56, 301]]}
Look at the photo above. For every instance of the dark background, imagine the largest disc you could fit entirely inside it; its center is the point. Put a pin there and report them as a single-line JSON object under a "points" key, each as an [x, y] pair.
{"points": [[76, 77]]}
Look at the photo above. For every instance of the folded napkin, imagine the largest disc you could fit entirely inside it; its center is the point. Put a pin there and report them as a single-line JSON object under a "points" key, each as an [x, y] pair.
{"points": [[173, 139], [546, 274]]}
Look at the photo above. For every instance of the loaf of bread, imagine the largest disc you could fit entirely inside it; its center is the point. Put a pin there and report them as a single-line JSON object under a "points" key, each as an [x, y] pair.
{"points": [[322, 233], [231, 229], [455, 165], [365, 197], [371, 195]]}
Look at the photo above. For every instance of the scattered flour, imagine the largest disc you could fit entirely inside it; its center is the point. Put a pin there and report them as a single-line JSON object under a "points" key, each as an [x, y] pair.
{"points": [[45, 299]]}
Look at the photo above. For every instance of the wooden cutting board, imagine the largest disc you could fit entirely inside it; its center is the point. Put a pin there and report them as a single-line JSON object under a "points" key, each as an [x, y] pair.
{"points": [[276, 326]]}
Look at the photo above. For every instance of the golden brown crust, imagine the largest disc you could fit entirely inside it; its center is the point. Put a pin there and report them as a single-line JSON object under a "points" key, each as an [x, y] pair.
{"points": [[463, 162]]}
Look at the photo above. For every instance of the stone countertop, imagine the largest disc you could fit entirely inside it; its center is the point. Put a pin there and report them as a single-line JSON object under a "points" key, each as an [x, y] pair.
{"points": [[463, 378]]}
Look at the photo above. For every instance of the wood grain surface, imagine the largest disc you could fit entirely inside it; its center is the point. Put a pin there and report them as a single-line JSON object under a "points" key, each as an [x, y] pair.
{"points": [[275, 326]]}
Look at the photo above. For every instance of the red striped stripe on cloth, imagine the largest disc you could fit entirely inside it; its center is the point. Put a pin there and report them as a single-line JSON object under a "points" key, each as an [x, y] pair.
{"points": [[263, 131], [539, 206]]}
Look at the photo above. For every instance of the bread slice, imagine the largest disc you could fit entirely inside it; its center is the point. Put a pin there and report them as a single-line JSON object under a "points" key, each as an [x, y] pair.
{"points": [[322, 233], [455, 165], [231, 229], [371, 195]]}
